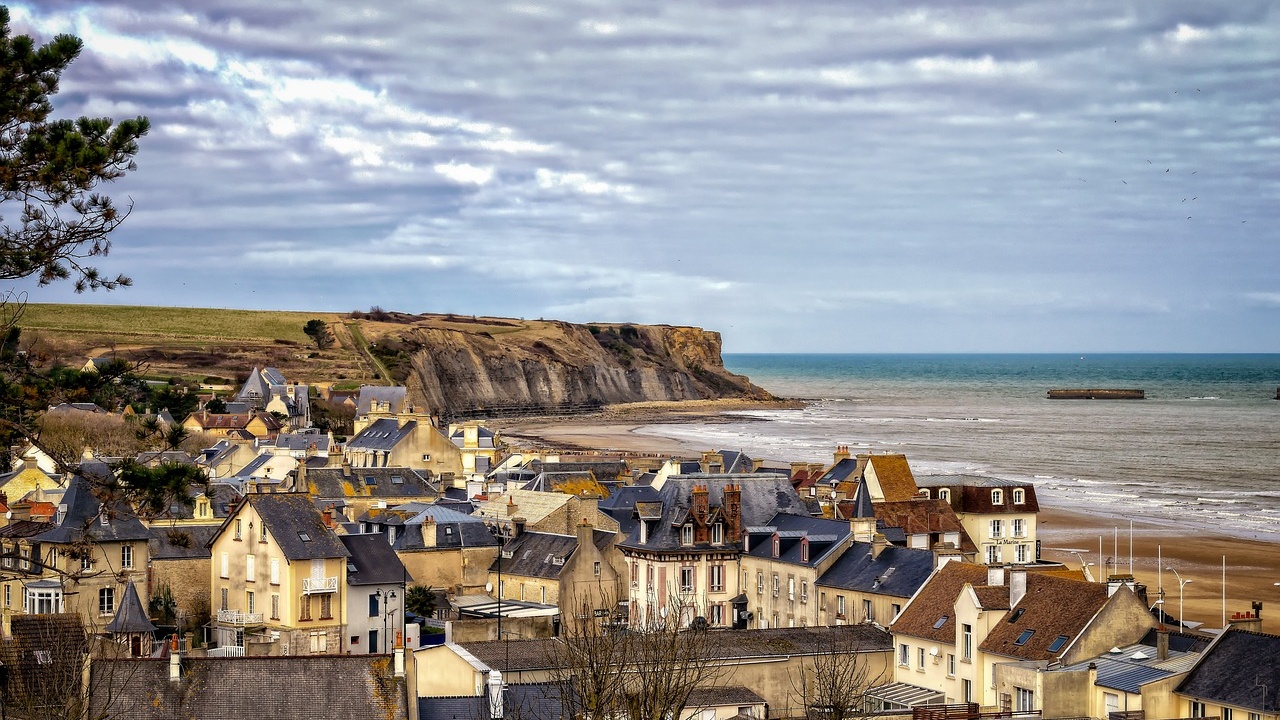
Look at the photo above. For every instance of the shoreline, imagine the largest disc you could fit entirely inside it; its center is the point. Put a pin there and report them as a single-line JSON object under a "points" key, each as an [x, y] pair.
{"points": [[1253, 565]]}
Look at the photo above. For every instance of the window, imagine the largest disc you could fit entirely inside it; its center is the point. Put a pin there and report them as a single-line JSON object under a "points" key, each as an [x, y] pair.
{"points": [[1019, 496], [940, 622], [304, 607], [760, 583], [595, 568], [716, 578], [1197, 709], [373, 641], [920, 658], [686, 534], [649, 577], [1024, 637], [275, 571], [997, 528], [263, 536], [326, 606], [1225, 713], [1255, 716], [895, 608], [1020, 553], [904, 654], [804, 551], [6, 595], [997, 497], [717, 534], [237, 528], [319, 642], [250, 568], [8, 557], [86, 562], [373, 606], [966, 643], [226, 566], [993, 554], [777, 546], [966, 690], [791, 588], [250, 606], [1057, 643], [804, 591], [777, 585], [42, 602], [106, 601], [1024, 700], [951, 665], [275, 607], [868, 614], [686, 579], [126, 557], [1019, 527], [944, 494], [840, 605], [717, 614]]}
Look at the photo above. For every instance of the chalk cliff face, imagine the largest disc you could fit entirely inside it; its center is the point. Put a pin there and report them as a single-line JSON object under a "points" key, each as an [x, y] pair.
{"points": [[555, 365]]}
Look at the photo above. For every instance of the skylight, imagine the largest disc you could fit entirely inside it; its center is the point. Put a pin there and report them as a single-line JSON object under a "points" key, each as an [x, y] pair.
{"points": [[1057, 643], [941, 621], [1024, 637], [304, 537], [1016, 614]]}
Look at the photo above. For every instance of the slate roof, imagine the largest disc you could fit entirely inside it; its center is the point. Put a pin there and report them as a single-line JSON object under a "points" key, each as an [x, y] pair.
{"points": [[604, 470], [535, 701], [842, 471], [289, 518], [824, 536], [453, 529], [1239, 669], [130, 616], [83, 518], [281, 688], [763, 497], [972, 493], [161, 546], [532, 555], [233, 421], [338, 482], [397, 396], [24, 529], [764, 643], [1133, 666], [374, 560], [898, 571], [303, 441], [382, 434]]}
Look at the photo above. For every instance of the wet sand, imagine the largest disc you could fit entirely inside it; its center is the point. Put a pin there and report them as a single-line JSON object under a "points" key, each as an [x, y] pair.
{"points": [[1253, 566]]}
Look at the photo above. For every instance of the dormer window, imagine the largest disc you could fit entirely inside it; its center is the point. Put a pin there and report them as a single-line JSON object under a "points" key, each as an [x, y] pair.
{"points": [[717, 534], [644, 532], [1019, 496], [944, 494], [923, 492], [804, 550], [997, 497], [686, 534], [777, 546]]}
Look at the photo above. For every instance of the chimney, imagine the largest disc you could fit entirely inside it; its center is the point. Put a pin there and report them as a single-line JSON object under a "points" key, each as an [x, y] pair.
{"points": [[943, 555], [701, 505], [842, 453], [399, 657], [995, 575], [878, 544], [1245, 621], [300, 477], [517, 526], [798, 467], [586, 533], [495, 695], [512, 507], [328, 517], [732, 507], [429, 530], [1017, 585], [1162, 643]]}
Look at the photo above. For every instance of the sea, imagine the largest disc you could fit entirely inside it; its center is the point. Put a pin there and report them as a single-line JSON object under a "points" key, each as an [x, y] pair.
{"points": [[1201, 451]]}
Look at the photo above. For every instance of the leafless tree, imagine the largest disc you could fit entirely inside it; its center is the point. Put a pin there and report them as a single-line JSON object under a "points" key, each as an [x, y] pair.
{"points": [[832, 683], [645, 670]]}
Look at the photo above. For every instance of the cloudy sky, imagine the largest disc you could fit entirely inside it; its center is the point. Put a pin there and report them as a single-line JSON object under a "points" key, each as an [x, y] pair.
{"points": [[801, 176]]}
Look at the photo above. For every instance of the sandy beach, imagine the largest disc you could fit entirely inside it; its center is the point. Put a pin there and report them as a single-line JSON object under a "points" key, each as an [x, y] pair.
{"points": [[1252, 567]]}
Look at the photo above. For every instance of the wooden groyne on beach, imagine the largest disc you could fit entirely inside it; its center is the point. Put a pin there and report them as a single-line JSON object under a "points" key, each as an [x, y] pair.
{"points": [[1097, 394]]}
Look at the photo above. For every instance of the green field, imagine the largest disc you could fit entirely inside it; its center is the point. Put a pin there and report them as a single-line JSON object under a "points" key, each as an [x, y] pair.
{"points": [[172, 322]]}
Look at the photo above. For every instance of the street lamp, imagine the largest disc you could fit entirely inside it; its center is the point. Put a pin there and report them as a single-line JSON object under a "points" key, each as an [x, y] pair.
{"points": [[1181, 584], [1084, 566], [386, 615]]}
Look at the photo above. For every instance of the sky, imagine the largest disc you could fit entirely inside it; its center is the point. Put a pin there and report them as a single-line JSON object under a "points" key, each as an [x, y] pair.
{"points": [[800, 176]]}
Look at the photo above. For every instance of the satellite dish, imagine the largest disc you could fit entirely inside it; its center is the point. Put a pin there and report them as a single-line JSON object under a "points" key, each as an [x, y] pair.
{"points": [[488, 587]]}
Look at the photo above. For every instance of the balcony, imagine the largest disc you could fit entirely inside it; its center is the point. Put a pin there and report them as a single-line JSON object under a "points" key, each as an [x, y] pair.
{"points": [[237, 618], [313, 585]]}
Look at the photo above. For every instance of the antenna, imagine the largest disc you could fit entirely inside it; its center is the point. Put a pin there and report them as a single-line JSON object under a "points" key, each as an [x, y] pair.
{"points": [[1224, 592], [1130, 548]]}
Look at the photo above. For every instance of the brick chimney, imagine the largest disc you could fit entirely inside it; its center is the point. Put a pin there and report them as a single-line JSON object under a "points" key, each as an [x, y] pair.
{"points": [[512, 507], [842, 453], [732, 508], [1245, 621], [1162, 643], [701, 505]]}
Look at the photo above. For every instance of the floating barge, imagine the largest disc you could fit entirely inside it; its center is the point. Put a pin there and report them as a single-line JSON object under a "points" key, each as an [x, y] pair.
{"points": [[1097, 394]]}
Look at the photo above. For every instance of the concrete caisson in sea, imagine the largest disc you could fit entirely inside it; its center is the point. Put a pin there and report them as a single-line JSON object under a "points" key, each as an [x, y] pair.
{"points": [[1097, 394]]}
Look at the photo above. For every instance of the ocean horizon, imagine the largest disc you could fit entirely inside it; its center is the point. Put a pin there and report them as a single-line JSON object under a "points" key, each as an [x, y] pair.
{"points": [[1200, 451]]}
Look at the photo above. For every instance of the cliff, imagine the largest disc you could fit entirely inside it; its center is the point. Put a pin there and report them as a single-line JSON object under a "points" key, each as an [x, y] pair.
{"points": [[460, 366]]}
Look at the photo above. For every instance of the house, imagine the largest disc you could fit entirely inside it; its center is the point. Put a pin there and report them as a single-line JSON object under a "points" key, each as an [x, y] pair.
{"points": [[281, 688], [364, 488], [241, 426], [380, 400], [967, 618], [78, 560], [480, 447], [998, 515], [685, 545], [376, 584], [300, 445], [440, 547], [268, 391], [782, 561], [871, 581], [1235, 678], [131, 629], [572, 571], [180, 560], [278, 579], [405, 440], [542, 511]]}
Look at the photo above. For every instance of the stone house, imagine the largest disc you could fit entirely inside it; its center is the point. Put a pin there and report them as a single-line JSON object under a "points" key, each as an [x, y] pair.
{"points": [[571, 571], [376, 584], [871, 582], [440, 547], [781, 562], [998, 515], [405, 440]]}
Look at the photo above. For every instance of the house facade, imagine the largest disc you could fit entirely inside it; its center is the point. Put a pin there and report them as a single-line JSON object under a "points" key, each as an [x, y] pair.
{"points": [[998, 515]]}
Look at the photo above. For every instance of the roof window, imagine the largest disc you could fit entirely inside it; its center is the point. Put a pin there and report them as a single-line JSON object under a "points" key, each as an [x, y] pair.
{"points": [[1016, 614], [941, 621], [304, 537], [1024, 637], [1057, 643]]}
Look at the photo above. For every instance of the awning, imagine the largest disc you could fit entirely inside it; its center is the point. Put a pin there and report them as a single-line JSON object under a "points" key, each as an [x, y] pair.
{"points": [[900, 696]]}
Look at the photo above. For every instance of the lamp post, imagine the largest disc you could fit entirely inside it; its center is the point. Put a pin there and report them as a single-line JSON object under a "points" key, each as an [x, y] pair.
{"points": [[1181, 584], [386, 615], [1084, 566]]}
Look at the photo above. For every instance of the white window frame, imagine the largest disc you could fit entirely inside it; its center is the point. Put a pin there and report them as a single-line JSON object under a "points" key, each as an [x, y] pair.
{"points": [[275, 571], [687, 575], [686, 534], [904, 655], [106, 601], [715, 579], [250, 568], [1019, 496], [997, 528], [997, 497], [717, 534], [126, 557], [1019, 527]]}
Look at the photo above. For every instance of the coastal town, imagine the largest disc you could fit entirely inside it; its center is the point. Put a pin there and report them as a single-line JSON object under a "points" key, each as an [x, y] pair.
{"points": [[419, 568]]}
